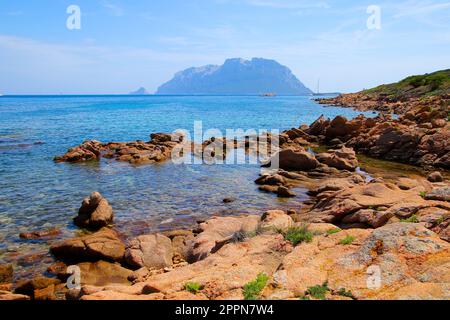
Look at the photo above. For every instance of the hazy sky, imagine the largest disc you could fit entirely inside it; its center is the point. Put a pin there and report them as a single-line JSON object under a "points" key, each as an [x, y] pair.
{"points": [[123, 45]]}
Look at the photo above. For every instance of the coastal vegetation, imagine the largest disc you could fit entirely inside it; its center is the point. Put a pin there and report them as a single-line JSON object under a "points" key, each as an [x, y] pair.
{"points": [[297, 235], [412, 219], [347, 240], [333, 231], [344, 293], [319, 291], [252, 290], [421, 86], [193, 287]]}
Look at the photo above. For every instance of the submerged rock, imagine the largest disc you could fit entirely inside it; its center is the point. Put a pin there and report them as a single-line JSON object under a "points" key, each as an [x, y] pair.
{"points": [[284, 192], [6, 273], [271, 180], [228, 200], [34, 235]]}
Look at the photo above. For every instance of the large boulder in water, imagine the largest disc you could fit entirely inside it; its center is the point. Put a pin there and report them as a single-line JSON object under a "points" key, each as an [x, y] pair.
{"points": [[87, 151], [295, 159], [95, 213]]}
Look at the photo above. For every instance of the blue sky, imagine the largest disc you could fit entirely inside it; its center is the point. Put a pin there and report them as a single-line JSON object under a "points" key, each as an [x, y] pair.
{"points": [[123, 45]]}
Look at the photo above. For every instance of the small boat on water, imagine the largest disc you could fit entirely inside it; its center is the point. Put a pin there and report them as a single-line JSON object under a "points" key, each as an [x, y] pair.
{"points": [[269, 94]]}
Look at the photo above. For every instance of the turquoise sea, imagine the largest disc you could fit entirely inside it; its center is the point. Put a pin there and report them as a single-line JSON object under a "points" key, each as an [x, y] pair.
{"points": [[36, 193]]}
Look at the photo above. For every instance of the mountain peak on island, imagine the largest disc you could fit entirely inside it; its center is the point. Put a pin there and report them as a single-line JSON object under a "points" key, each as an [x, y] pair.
{"points": [[236, 77]]}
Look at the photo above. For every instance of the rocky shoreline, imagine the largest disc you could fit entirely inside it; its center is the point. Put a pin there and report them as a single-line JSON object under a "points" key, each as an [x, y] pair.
{"points": [[347, 226], [351, 227]]}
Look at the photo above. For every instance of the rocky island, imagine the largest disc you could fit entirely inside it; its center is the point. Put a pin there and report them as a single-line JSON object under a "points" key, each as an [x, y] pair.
{"points": [[236, 77]]}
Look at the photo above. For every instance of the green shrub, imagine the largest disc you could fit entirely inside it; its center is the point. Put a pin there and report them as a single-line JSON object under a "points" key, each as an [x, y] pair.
{"points": [[333, 231], [192, 287], [319, 291], [297, 235], [347, 240], [252, 290], [440, 220], [344, 293], [423, 194], [412, 219]]}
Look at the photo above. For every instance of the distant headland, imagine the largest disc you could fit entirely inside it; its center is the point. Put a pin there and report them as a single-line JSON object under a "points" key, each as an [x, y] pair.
{"points": [[139, 92]]}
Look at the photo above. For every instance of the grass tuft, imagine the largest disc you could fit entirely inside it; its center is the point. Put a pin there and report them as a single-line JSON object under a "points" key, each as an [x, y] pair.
{"points": [[333, 231], [412, 219], [319, 291], [192, 287], [253, 289], [297, 235], [440, 220], [344, 293], [347, 240]]}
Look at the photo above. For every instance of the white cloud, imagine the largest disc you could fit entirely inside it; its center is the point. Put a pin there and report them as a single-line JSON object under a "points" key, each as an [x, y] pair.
{"points": [[38, 67], [281, 4], [14, 13], [113, 8], [419, 8], [289, 4]]}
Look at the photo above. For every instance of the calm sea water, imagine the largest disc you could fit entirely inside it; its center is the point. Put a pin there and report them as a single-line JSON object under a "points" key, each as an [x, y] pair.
{"points": [[36, 193]]}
